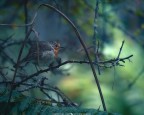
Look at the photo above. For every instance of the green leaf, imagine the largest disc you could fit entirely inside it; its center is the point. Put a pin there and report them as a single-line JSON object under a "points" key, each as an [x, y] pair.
{"points": [[25, 103]]}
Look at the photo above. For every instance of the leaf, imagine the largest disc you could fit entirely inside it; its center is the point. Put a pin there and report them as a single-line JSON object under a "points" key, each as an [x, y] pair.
{"points": [[45, 110], [25, 103], [37, 109]]}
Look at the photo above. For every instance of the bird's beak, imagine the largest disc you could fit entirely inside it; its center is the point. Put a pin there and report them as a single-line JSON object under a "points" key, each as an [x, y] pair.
{"points": [[62, 47]]}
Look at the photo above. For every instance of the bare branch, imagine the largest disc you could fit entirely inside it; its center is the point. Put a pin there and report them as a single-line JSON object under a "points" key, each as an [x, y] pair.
{"points": [[66, 62], [23, 25], [15, 72], [136, 78], [96, 46], [120, 49]]}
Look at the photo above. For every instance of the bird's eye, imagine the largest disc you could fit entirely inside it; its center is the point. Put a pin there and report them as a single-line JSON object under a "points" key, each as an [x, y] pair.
{"points": [[57, 45]]}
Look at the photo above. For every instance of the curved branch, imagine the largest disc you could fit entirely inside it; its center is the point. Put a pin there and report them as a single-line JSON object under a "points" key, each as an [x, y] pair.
{"points": [[85, 49]]}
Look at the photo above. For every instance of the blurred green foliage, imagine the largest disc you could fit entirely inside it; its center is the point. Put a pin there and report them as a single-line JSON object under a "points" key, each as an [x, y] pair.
{"points": [[117, 20]]}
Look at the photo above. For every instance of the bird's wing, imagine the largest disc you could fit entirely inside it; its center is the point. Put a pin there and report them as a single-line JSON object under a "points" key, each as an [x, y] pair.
{"points": [[41, 45]]}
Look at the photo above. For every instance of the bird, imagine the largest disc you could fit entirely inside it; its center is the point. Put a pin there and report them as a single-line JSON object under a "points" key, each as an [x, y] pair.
{"points": [[42, 53]]}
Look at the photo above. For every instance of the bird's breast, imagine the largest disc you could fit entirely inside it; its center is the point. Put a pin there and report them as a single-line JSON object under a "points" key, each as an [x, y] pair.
{"points": [[48, 54]]}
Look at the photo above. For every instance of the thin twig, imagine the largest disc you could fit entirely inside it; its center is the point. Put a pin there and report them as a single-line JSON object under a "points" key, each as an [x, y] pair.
{"points": [[120, 49], [114, 77], [48, 95], [125, 31], [7, 56], [26, 15], [66, 100], [23, 25], [15, 72], [136, 78], [3, 75], [97, 58], [94, 35], [115, 60], [7, 39]]}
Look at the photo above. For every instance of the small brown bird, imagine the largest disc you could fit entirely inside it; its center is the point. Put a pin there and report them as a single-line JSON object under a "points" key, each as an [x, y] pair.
{"points": [[42, 53]]}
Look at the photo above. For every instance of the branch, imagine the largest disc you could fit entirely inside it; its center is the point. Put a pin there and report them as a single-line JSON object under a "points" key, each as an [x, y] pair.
{"points": [[26, 15], [120, 49], [66, 62], [96, 47], [23, 25], [47, 87], [15, 72], [136, 78], [115, 60]]}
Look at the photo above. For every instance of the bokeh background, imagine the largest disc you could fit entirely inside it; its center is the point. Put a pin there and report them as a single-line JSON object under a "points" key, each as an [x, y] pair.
{"points": [[116, 20]]}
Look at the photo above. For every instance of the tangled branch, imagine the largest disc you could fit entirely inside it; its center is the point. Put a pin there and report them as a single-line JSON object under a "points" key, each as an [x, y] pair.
{"points": [[101, 64]]}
